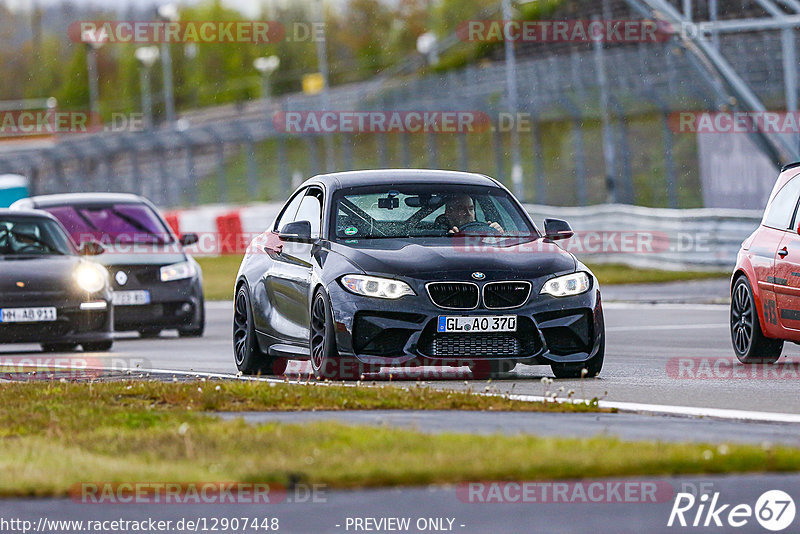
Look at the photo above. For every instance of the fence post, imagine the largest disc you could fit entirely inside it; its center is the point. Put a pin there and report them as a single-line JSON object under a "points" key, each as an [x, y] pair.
{"points": [[463, 157], [608, 133], [286, 180], [252, 175], [191, 173]]}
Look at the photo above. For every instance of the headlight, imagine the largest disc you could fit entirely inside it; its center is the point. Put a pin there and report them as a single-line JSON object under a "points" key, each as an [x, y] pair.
{"points": [[565, 286], [372, 286], [177, 271], [90, 277]]}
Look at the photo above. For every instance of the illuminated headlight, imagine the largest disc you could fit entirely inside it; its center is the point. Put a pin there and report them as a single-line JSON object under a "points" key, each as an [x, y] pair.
{"points": [[372, 286], [177, 271], [565, 286], [90, 277]]}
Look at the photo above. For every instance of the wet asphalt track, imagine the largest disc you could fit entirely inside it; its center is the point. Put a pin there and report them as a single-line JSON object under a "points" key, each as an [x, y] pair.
{"points": [[674, 353]]}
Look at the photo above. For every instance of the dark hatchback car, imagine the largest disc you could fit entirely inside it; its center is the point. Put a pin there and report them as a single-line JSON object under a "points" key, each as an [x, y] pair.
{"points": [[49, 294], [156, 284], [371, 269]]}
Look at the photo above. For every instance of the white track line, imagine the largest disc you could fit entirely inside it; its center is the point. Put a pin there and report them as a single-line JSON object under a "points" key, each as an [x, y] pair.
{"points": [[684, 411], [648, 327]]}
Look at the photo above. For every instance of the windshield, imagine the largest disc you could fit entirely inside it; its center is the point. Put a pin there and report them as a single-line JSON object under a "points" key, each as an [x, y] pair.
{"points": [[426, 210], [112, 223], [32, 236]]}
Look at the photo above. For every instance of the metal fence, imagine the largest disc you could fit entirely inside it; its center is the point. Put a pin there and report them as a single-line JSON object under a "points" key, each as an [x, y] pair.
{"points": [[598, 127]]}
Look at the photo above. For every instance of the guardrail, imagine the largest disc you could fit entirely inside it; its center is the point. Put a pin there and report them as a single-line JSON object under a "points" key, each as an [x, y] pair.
{"points": [[700, 239]]}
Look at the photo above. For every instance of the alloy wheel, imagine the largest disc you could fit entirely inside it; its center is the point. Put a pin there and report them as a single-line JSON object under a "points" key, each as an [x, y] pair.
{"points": [[318, 332], [742, 319], [241, 328]]}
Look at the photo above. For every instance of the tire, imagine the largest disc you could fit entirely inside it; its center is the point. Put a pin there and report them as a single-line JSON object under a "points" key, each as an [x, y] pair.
{"points": [[325, 359], [748, 339], [149, 333], [97, 346], [59, 347], [593, 366], [246, 352], [196, 330], [488, 369]]}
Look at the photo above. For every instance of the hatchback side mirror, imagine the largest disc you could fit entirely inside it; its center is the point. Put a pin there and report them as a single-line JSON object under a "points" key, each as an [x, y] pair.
{"points": [[299, 231], [91, 248], [189, 239], [555, 229]]}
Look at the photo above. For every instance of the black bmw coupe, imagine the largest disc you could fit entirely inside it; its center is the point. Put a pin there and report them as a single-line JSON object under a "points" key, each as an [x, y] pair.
{"points": [[370, 269], [49, 294]]}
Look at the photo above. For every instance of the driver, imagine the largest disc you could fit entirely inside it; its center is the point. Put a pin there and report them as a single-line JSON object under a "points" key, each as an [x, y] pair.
{"points": [[459, 211]]}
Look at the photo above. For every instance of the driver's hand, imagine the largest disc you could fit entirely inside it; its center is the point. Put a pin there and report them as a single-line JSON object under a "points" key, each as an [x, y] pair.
{"points": [[453, 230], [496, 226]]}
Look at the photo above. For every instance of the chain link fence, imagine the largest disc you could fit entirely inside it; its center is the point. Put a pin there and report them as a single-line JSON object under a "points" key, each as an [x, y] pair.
{"points": [[593, 122]]}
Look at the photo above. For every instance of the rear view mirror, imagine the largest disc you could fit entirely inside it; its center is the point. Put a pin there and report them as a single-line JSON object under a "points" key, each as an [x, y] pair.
{"points": [[189, 239], [299, 231], [555, 229], [91, 248], [388, 203]]}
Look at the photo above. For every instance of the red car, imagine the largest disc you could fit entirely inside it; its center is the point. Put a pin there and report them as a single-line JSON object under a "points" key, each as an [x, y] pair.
{"points": [[765, 287]]}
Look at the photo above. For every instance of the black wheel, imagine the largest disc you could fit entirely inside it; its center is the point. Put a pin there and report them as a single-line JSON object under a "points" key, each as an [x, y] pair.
{"points": [[59, 347], [97, 346], [325, 359], [246, 352], [593, 366], [749, 342], [149, 333], [196, 330], [486, 369]]}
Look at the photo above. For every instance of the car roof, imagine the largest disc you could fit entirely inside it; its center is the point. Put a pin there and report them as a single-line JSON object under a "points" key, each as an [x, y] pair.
{"points": [[340, 180], [83, 199], [8, 212]]}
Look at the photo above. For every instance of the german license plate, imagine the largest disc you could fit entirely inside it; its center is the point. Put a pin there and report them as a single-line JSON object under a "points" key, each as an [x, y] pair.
{"points": [[130, 298], [461, 324], [27, 315]]}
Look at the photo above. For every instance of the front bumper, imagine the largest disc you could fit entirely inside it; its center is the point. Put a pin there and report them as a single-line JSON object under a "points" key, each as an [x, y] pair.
{"points": [[176, 304], [72, 325], [403, 332]]}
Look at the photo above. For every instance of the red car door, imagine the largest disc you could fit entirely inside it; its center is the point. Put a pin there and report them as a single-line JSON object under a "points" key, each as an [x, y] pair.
{"points": [[785, 277]]}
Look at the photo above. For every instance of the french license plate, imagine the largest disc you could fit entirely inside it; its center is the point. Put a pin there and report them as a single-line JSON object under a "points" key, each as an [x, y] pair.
{"points": [[130, 298], [460, 324], [27, 315]]}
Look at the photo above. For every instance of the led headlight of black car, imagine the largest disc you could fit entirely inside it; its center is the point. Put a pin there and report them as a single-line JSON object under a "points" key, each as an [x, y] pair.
{"points": [[374, 286]]}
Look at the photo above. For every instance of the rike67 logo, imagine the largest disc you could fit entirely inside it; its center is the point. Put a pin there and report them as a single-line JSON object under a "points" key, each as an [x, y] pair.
{"points": [[774, 510]]}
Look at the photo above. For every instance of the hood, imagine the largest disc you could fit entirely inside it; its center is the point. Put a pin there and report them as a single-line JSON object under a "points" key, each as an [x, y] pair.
{"points": [[454, 258], [38, 273], [140, 254]]}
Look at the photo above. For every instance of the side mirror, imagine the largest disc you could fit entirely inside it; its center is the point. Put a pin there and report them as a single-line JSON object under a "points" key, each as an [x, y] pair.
{"points": [[555, 229], [189, 239], [91, 248], [299, 231]]}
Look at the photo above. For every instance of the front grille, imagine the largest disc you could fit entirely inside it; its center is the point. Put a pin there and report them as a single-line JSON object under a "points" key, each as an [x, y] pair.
{"points": [[138, 275], [524, 342], [500, 295], [454, 295]]}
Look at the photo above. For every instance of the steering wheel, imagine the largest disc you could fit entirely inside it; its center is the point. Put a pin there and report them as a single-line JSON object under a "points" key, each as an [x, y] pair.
{"points": [[477, 227]]}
